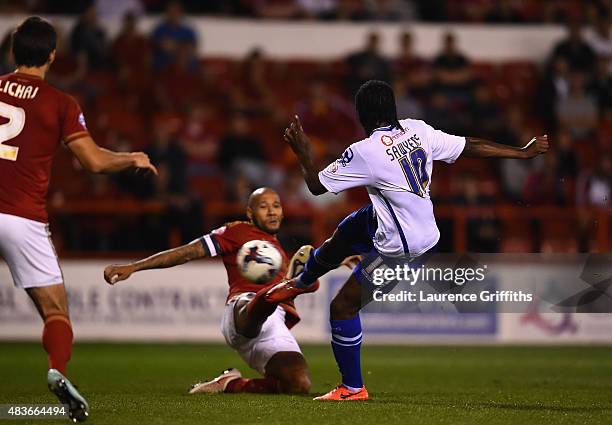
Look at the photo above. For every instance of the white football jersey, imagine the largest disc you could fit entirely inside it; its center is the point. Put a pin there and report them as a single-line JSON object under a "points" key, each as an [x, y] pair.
{"points": [[396, 168]]}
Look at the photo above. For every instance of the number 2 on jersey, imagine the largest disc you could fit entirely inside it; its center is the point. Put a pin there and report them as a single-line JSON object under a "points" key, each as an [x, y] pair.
{"points": [[414, 169], [11, 129]]}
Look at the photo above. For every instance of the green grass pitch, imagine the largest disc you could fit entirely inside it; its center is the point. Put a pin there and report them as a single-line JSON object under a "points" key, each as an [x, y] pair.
{"points": [[146, 384]]}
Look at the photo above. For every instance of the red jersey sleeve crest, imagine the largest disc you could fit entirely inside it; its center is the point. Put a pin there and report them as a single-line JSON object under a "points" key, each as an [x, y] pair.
{"points": [[73, 125]]}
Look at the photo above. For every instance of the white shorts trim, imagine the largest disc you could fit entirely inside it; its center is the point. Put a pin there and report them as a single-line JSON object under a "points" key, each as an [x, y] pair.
{"points": [[27, 248], [273, 338]]}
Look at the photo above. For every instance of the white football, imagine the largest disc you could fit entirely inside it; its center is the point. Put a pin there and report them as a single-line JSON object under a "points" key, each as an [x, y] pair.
{"points": [[259, 261]]}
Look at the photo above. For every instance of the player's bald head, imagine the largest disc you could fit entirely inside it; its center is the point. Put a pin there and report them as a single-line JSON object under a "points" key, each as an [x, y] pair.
{"points": [[265, 210], [258, 193]]}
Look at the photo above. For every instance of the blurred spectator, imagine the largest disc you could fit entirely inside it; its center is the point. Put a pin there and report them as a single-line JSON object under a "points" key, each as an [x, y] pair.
{"points": [[6, 58], [69, 70], [485, 114], [167, 152], [407, 105], [406, 10], [241, 8], [173, 39], [543, 185], [200, 140], [504, 11], [595, 187], [241, 154], [15, 6], [253, 96], [292, 190], [295, 193], [577, 113], [318, 9], [131, 50], [411, 67], [482, 232], [554, 12], [552, 178], [180, 83], [452, 71], [352, 10], [601, 87], [513, 127], [567, 164], [575, 49], [601, 39], [433, 10], [367, 64], [440, 114], [554, 87], [184, 211], [514, 172], [118, 8], [329, 117], [88, 39], [386, 10], [278, 9], [239, 189]]}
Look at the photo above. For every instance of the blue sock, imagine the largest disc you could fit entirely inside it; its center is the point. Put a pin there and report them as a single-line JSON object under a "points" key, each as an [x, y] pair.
{"points": [[346, 343], [314, 268]]}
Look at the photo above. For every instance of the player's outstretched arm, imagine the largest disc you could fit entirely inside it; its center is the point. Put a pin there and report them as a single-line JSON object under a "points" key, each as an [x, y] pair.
{"points": [[480, 148], [100, 160], [300, 144], [170, 258]]}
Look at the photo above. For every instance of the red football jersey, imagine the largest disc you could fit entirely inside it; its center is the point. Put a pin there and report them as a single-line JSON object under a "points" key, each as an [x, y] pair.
{"points": [[34, 119], [226, 241]]}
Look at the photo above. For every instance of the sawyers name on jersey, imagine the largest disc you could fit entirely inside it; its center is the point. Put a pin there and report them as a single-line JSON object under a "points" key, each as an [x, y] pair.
{"points": [[396, 168]]}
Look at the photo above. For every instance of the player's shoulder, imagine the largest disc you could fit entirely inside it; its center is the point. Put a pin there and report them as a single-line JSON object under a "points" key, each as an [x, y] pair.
{"points": [[231, 227], [51, 91], [359, 145], [61, 95], [414, 125], [238, 224]]}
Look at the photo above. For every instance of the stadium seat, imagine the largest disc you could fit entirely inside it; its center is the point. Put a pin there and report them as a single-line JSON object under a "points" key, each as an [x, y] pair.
{"points": [[511, 244]]}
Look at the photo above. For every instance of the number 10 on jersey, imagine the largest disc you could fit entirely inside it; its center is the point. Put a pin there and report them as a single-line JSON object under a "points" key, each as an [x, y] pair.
{"points": [[414, 165]]}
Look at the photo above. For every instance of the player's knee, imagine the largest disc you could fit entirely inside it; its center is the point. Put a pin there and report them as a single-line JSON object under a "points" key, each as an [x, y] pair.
{"points": [[335, 249], [50, 301], [55, 306], [302, 384], [296, 383], [342, 307]]}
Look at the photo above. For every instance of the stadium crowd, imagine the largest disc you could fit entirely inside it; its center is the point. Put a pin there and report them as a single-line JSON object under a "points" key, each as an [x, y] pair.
{"points": [[490, 11], [213, 125]]}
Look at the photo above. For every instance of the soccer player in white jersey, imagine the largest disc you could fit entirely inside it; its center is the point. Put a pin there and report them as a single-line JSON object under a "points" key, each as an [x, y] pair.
{"points": [[394, 163]]}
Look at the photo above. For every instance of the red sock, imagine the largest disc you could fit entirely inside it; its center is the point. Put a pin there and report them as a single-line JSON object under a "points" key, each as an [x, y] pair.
{"points": [[259, 307], [57, 341], [249, 385]]}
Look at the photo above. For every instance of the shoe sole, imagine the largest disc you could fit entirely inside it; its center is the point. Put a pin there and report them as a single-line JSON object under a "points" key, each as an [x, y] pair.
{"points": [[297, 262], [78, 410], [233, 375]]}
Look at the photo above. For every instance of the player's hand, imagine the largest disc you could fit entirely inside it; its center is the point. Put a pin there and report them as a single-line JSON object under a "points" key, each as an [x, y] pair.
{"points": [[116, 273], [142, 161], [536, 146], [352, 261], [296, 138]]}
